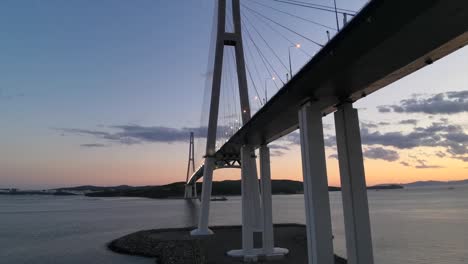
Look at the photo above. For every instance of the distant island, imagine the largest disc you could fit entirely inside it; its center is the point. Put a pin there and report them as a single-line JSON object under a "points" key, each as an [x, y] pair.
{"points": [[14, 191], [385, 187], [220, 188], [176, 190], [436, 183]]}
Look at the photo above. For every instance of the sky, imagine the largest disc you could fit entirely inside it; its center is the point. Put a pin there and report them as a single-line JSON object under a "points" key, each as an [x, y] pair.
{"points": [[106, 92]]}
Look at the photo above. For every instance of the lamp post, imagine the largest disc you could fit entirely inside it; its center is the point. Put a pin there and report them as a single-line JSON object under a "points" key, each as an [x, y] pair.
{"points": [[266, 94], [297, 46]]}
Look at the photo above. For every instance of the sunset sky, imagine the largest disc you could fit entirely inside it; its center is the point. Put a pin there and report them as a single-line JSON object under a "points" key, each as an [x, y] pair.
{"points": [[105, 92]]}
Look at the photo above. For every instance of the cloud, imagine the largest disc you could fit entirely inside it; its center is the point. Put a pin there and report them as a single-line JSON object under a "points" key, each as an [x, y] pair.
{"points": [[384, 109], [452, 137], [381, 153], [10, 94], [423, 165], [93, 145], [330, 141], [397, 139], [277, 153], [439, 134], [279, 147], [295, 138], [376, 153], [135, 134], [383, 123], [462, 158], [369, 125], [404, 163], [408, 122], [442, 103]]}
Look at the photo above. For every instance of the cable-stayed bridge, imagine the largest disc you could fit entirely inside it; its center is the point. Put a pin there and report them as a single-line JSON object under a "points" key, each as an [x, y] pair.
{"points": [[367, 50]]}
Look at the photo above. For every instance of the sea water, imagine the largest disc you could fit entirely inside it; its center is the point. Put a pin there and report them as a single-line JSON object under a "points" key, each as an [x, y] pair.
{"points": [[411, 226]]}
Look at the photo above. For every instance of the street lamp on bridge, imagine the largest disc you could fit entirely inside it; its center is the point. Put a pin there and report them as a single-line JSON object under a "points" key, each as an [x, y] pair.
{"points": [[266, 86], [297, 46]]}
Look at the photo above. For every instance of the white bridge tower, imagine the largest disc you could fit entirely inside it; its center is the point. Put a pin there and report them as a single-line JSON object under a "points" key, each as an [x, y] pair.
{"points": [[255, 217], [191, 189]]}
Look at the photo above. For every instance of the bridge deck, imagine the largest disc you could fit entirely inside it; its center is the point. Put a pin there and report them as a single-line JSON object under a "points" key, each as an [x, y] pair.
{"points": [[386, 41]]}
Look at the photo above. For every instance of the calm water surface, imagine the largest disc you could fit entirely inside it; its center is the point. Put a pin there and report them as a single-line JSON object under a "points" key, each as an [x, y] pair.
{"points": [[411, 226]]}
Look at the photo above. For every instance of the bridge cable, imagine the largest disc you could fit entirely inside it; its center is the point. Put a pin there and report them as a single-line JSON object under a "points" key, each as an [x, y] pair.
{"points": [[236, 94], [253, 83], [317, 7], [225, 90], [233, 83], [249, 73], [263, 58], [252, 59], [266, 43], [284, 36], [293, 15], [230, 22], [289, 29]]}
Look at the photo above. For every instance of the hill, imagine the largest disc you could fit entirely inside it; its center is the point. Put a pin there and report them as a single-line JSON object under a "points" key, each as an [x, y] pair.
{"points": [[435, 183], [385, 187], [92, 188], [176, 190]]}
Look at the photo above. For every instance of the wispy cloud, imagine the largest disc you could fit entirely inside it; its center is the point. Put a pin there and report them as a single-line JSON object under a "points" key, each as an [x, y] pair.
{"points": [[381, 153], [442, 103], [404, 163], [375, 153], [135, 134], [277, 153], [452, 138], [278, 147], [93, 145], [409, 122], [423, 165]]}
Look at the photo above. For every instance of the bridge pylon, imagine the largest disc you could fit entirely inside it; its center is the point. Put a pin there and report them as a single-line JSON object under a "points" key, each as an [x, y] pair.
{"points": [[253, 215], [190, 189]]}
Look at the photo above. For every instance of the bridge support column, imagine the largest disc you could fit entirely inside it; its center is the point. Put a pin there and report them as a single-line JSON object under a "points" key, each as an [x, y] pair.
{"points": [[353, 186], [317, 202], [251, 210], [256, 203], [205, 199], [268, 236], [188, 191], [194, 190]]}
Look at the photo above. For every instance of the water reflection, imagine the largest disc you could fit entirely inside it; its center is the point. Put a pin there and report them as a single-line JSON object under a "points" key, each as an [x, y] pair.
{"points": [[190, 210]]}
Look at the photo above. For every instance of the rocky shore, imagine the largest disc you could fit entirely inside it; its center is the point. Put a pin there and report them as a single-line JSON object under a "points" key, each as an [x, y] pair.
{"points": [[176, 246]]}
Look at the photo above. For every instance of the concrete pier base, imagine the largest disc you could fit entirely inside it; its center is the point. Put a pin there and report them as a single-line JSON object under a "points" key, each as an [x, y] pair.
{"points": [[176, 246]]}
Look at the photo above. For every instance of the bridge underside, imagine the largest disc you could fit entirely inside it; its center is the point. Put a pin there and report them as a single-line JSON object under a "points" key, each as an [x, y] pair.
{"points": [[385, 42]]}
